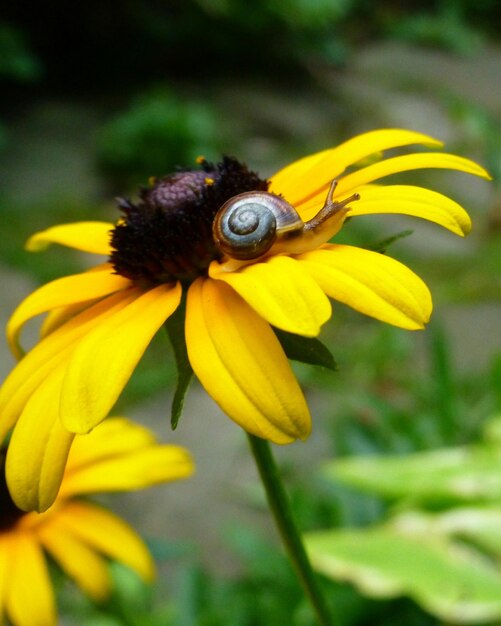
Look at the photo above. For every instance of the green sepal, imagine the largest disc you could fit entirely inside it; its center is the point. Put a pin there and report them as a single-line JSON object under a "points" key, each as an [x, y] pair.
{"points": [[306, 349], [384, 244], [175, 329]]}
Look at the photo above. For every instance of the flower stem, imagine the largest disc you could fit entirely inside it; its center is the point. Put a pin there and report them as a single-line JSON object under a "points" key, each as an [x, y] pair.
{"points": [[281, 509]]}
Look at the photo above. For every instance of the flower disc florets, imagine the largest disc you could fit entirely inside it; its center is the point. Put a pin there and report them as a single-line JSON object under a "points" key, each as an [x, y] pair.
{"points": [[167, 235]]}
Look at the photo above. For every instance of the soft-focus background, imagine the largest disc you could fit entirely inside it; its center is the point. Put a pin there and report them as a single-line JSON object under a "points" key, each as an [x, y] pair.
{"points": [[97, 97]]}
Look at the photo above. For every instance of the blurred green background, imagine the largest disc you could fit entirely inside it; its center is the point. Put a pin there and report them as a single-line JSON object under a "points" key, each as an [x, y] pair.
{"points": [[97, 97]]}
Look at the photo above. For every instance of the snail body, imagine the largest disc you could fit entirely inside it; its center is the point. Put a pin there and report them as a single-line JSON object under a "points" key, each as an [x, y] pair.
{"points": [[250, 224]]}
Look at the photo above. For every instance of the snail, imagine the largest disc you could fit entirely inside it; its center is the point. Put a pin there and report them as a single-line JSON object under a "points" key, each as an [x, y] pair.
{"points": [[251, 223]]}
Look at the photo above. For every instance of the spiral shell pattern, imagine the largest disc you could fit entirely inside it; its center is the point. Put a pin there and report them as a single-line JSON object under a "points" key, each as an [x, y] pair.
{"points": [[247, 225]]}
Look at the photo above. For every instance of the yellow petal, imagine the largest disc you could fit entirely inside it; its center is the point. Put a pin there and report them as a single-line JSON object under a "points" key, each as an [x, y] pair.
{"points": [[103, 531], [56, 318], [135, 470], [116, 436], [86, 236], [306, 177], [33, 369], [76, 559], [38, 449], [105, 358], [371, 283], [421, 160], [62, 292], [241, 364], [281, 292], [415, 201], [30, 599], [121, 455]]}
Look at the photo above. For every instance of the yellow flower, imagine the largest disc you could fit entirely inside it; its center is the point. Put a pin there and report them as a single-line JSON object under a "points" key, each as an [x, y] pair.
{"points": [[101, 321], [77, 534]]}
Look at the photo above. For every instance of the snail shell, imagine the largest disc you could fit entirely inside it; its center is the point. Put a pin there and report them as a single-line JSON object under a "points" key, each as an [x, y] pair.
{"points": [[247, 225]]}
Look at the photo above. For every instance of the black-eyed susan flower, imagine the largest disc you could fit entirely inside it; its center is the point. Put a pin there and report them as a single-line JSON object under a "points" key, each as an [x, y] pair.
{"points": [[168, 244], [78, 534]]}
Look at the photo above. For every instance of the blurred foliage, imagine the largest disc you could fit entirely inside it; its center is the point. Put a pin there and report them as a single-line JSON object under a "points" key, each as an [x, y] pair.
{"points": [[425, 505], [442, 544], [17, 61], [105, 44], [446, 27], [112, 53], [436, 478], [158, 133], [395, 396], [405, 410], [480, 127]]}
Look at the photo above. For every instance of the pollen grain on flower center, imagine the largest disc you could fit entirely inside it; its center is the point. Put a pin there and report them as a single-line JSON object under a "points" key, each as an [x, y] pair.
{"points": [[167, 235]]}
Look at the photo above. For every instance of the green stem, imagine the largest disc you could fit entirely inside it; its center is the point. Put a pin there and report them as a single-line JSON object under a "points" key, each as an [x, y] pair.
{"points": [[280, 507]]}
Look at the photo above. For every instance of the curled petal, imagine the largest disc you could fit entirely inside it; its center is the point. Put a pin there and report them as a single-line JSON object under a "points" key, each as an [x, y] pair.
{"points": [[35, 464], [104, 359], [63, 292], [241, 364], [423, 160], [91, 237], [312, 175], [371, 283], [282, 292], [415, 201], [34, 368]]}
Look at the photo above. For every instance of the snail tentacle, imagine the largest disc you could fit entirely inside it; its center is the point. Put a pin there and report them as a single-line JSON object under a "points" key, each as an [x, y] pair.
{"points": [[331, 207], [252, 223]]}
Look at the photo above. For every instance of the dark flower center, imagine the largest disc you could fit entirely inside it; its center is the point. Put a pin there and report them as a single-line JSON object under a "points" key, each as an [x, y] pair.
{"points": [[9, 513], [167, 235]]}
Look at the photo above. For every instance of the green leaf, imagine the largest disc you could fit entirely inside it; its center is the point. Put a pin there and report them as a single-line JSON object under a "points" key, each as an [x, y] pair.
{"points": [[449, 580], [463, 474], [384, 244], [175, 330], [491, 429], [479, 525], [131, 595], [306, 349]]}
